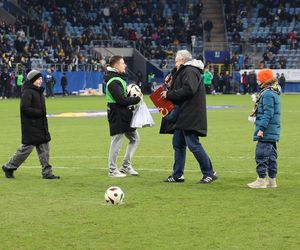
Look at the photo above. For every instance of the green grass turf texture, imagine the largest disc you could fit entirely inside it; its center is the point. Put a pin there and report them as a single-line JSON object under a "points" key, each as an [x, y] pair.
{"points": [[70, 213]]}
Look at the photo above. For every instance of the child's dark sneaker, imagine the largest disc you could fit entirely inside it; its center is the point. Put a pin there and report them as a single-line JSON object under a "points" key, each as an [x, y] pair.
{"points": [[9, 173], [174, 179], [208, 179], [51, 177]]}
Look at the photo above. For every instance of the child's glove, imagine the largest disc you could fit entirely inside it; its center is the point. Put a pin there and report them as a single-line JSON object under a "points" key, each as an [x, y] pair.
{"points": [[254, 97], [252, 119]]}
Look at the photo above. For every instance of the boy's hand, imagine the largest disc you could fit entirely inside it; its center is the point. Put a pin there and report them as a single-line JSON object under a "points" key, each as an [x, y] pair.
{"points": [[260, 134], [141, 96]]}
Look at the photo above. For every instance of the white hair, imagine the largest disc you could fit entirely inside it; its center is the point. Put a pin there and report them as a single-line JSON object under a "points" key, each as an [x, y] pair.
{"points": [[184, 55]]}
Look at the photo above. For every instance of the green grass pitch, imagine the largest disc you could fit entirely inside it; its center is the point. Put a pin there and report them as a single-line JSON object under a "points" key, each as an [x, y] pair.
{"points": [[70, 213]]}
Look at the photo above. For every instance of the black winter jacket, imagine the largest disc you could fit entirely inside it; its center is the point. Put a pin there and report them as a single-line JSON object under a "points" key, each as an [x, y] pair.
{"points": [[33, 116], [119, 114], [188, 92]]}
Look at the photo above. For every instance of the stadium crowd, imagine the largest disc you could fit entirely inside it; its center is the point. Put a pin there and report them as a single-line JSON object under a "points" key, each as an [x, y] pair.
{"points": [[64, 32]]}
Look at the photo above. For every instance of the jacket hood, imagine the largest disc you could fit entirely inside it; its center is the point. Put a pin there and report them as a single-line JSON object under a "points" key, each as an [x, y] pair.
{"points": [[195, 63], [112, 72]]}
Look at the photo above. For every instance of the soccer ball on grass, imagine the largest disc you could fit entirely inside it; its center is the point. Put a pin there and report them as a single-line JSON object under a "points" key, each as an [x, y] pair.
{"points": [[114, 195]]}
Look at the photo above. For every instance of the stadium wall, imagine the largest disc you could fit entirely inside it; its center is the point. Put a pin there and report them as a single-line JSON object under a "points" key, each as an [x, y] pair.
{"points": [[79, 80]]}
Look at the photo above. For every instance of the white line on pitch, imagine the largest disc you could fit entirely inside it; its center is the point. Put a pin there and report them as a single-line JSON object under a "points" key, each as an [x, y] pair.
{"points": [[150, 169], [162, 156]]}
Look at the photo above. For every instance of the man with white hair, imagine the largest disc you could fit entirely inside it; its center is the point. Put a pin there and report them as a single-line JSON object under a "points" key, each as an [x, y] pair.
{"points": [[187, 92]]}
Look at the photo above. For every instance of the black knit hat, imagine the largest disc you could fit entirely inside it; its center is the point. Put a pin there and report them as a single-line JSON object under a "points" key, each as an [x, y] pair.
{"points": [[33, 75]]}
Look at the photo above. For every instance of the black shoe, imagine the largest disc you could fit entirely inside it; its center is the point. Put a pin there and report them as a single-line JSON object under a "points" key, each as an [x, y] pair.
{"points": [[51, 177], [9, 173], [208, 179], [174, 179]]}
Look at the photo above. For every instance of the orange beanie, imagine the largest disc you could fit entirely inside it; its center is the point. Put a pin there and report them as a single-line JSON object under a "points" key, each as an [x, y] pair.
{"points": [[265, 76]]}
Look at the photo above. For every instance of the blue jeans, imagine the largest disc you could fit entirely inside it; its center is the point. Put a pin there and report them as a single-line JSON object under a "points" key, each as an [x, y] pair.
{"points": [[266, 159], [181, 139]]}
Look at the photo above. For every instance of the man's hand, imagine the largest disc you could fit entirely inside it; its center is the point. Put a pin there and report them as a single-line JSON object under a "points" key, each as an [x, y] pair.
{"points": [[260, 134], [163, 94], [168, 80]]}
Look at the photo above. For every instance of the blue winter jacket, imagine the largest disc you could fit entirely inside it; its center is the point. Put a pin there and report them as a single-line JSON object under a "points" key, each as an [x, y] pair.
{"points": [[268, 117]]}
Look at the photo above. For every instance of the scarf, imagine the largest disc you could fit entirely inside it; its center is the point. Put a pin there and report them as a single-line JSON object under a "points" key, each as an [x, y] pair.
{"points": [[275, 88]]}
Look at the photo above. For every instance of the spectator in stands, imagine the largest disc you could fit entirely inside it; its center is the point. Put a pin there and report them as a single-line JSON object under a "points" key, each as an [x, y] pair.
{"points": [[64, 84], [207, 79], [35, 133], [20, 80], [163, 64], [50, 82], [169, 53], [216, 83], [226, 81], [247, 62], [188, 92], [252, 82], [282, 81], [208, 26], [282, 62], [236, 37], [245, 83], [119, 114], [234, 60], [4, 83], [267, 130], [236, 82]]}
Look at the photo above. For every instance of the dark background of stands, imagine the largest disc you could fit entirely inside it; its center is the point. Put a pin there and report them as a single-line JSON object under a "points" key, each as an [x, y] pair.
{"points": [[63, 35]]}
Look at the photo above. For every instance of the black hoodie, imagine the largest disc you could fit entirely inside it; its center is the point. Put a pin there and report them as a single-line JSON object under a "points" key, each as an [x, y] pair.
{"points": [[119, 114]]}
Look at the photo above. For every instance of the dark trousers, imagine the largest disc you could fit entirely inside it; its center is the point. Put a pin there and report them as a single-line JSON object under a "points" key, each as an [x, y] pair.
{"points": [[64, 89], [4, 90], [227, 88], [245, 89], [208, 88], [19, 91], [181, 139], [266, 159], [49, 89]]}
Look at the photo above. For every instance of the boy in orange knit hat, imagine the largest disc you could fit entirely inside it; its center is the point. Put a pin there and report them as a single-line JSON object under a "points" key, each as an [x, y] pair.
{"points": [[266, 116]]}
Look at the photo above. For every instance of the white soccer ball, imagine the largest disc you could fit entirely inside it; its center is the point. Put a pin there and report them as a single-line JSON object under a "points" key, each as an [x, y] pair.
{"points": [[114, 195], [133, 90]]}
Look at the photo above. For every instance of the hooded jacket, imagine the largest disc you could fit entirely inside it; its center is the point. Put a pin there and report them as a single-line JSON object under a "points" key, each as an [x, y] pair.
{"points": [[34, 122], [119, 114], [188, 92], [268, 115]]}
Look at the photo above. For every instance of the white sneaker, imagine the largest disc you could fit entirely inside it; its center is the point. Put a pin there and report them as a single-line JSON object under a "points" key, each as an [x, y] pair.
{"points": [[259, 183], [116, 174], [271, 183], [129, 170]]}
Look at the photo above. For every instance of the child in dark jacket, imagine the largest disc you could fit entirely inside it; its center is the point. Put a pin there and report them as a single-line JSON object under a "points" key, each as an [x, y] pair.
{"points": [[267, 129], [34, 125]]}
